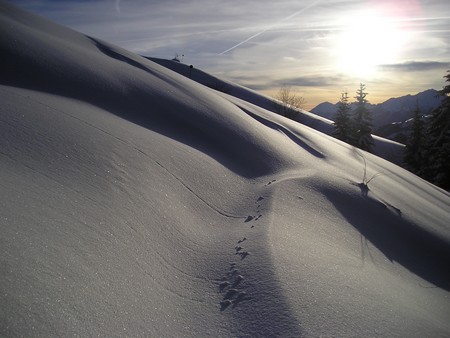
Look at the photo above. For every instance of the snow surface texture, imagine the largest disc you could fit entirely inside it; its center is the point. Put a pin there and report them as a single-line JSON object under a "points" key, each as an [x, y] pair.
{"points": [[136, 202]]}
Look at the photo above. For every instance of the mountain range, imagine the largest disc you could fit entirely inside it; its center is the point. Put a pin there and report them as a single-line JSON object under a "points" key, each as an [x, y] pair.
{"points": [[390, 118]]}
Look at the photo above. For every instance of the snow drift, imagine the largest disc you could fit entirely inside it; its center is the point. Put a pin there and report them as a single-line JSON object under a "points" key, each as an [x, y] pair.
{"points": [[136, 202]]}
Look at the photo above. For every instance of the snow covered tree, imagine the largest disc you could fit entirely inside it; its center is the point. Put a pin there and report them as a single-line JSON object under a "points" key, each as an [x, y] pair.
{"points": [[438, 169], [362, 122], [415, 145], [342, 121]]}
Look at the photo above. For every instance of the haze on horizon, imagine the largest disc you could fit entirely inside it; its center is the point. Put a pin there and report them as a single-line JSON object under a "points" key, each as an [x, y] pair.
{"points": [[320, 48]]}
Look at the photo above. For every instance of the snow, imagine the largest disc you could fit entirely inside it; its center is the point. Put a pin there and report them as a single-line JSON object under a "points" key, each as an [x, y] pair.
{"points": [[387, 149], [136, 202]]}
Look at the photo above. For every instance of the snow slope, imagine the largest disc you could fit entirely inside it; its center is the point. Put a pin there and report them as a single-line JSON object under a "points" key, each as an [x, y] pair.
{"points": [[135, 202], [387, 149]]}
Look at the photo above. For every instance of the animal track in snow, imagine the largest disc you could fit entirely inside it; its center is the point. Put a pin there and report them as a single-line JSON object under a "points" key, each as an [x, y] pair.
{"points": [[224, 304], [243, 254], [233, 282], [238, 279], [231, 273], [230, 288], [240, 297], [223, 285], [230, 293]]}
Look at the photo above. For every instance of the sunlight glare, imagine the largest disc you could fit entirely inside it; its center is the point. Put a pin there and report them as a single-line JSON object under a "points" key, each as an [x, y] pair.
{"points": [[368, 39]]}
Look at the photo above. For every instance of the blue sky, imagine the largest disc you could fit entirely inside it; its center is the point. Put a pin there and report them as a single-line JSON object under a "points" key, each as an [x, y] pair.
{"points": [[320, 48]]}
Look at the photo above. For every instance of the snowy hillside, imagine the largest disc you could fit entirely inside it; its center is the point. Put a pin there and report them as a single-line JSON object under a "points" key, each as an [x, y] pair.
{"points": [[238, 91], [136, 202], [387, 149]]}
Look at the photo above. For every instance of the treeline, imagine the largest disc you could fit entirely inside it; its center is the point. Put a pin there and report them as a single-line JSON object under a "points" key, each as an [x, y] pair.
{"points": [[354, 127], [427, 151]]}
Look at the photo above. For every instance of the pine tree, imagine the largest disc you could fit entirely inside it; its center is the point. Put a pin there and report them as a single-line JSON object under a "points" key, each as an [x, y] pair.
{"points": [[342, 121], [438, 169], [362, 122], [415, 145]]}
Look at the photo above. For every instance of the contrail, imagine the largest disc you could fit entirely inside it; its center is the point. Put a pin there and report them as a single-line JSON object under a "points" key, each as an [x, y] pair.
{"points": [[117, 6], [270, 27]]}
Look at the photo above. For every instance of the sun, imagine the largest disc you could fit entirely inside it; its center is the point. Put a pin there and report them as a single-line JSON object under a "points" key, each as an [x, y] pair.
{"points": [[367, 39]]}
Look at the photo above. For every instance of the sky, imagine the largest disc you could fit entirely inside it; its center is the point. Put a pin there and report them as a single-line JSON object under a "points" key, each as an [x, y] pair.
{"points": [[319, 48]]}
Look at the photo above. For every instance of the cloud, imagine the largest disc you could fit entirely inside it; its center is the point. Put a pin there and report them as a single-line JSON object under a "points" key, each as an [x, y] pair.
{"points": [[415, 66], [310, 81], [270, 27], [263, 44], [317, 81]]}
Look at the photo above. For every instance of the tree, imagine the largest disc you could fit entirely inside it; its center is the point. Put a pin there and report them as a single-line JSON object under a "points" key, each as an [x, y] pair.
{"points": [[438, 168], [415, 145], [342, 121], [362, 122], [289, 102]]}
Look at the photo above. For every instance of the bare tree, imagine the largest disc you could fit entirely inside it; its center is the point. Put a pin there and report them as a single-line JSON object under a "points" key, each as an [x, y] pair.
{"points": [[289, 101]]}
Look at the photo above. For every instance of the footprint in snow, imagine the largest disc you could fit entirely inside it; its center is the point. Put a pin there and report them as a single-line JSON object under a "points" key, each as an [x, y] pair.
{"points": [[241, 240], [224, 304], [241, 297], [243, 254], [248, 219], [231, 273], [230, 294], [223, 285], [238, 279]]}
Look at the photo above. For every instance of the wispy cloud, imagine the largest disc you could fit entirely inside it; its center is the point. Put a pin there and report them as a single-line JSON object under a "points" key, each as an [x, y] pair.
{"points": [[117, 7], [416, 66], [284, 43], [270, 27], [299, 81]]}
